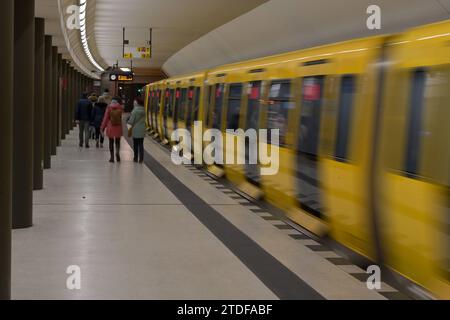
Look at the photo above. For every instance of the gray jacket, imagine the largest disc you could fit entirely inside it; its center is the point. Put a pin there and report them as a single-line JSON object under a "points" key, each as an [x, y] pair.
{"points": [[137, 120]]}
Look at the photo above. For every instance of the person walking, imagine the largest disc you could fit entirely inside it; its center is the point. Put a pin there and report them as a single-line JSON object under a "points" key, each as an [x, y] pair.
{"points": [[83, 119], [112, 126], [98, 114], [107, 96], [137, 130]]}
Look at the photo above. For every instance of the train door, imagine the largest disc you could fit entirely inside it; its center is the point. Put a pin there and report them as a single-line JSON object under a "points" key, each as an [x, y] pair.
{"points": [[157, 107], [216, 115], [190, 108], [415, 215], [197, 97], [177, 104], [254, 95], [307, 175], [182, 108], [170, 112], [158, 113], [232, 122], [215, 120], [166, 112], [278, 115]]}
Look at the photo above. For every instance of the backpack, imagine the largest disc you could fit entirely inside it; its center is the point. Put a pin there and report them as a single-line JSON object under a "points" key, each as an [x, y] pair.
{"points": [[115, 116]]}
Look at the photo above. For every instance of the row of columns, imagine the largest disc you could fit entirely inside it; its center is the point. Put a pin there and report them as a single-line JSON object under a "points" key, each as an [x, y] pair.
{"points": [[39, 93]]}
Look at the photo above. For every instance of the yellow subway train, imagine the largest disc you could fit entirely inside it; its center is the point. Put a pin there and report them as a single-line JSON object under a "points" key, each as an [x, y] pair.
{"points": [[364, 144]]}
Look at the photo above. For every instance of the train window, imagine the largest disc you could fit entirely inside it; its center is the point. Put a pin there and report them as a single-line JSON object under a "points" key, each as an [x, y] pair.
{"points": [[414, 124], [346, 100], [279, 106], [197, 104], [310, 114], [207, 109], [254, 96], [234, 106], [177, 105], [170, 102], [217, 111], [190, 106], [183, 105], [167, 102]]}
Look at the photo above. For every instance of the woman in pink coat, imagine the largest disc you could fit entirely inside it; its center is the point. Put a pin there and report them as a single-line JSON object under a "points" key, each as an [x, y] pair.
{"points": [[112, 126]]}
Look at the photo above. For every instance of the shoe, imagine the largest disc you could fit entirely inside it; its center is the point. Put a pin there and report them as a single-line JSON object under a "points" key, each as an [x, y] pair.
{"points": [[97, 145], [135, 160], [81, 145], [118, 158], [87, 146], [111, 160], [101, 145]]}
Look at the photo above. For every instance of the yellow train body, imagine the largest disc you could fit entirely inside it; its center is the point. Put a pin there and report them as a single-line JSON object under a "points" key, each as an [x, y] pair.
{"points": [[364, 141]]}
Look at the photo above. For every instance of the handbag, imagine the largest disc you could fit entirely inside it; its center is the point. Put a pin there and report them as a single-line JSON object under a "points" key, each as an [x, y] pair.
{"points": [[130, 129]]}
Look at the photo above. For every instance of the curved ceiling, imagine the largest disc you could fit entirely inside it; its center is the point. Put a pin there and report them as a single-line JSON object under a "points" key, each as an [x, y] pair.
{"points": [[286, 25], [175, 23]]}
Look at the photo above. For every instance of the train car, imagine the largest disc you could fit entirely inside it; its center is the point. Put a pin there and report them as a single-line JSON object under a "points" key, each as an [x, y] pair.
{"points": [[413, 174], [183, 102], [363, 145], [155, 109]]}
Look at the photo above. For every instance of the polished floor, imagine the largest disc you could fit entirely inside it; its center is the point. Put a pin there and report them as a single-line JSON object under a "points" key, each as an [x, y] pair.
{"points": [[160, 231]]}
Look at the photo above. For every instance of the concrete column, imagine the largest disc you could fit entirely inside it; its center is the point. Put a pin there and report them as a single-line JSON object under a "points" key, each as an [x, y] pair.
{"points": [[6, 92], [64, 113], [23, 113], [71, 97], [48, 103], [54, 99], [59, 102], [39, 78]]}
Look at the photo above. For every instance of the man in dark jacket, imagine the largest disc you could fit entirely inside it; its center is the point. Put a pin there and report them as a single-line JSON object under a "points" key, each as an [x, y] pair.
{"points": [[83, 117]]}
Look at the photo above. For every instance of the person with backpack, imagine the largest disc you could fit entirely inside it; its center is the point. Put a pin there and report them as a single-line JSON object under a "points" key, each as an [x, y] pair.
{"points": [[98, 114], [112, 126], [83, 113], [138, 130]]}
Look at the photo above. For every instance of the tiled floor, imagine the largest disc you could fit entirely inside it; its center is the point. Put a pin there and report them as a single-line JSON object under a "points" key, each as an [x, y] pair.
{"points": [[135, 239]]}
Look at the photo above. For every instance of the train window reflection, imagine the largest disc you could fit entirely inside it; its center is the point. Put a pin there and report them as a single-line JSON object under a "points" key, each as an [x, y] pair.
{"points": [[310, 114], [278, 111], [344, 116], [414, 123], [197, 104], [183, 105], [217, 111], [234, 106]]}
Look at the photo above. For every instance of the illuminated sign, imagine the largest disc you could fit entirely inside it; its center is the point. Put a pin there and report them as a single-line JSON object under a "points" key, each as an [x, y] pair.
{"points": [[128, 77], [121, 77]]}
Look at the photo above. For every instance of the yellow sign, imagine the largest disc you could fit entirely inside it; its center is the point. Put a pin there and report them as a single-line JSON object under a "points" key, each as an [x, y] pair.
{"points": [[125, 77], [138, 52]]}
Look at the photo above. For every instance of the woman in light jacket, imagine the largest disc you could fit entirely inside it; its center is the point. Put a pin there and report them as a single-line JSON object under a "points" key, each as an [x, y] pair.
{"points": [[137, 122], [112, 126]]}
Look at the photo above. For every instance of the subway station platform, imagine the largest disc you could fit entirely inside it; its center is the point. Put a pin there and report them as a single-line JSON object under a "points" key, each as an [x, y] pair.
{"points": [[161, 231]]}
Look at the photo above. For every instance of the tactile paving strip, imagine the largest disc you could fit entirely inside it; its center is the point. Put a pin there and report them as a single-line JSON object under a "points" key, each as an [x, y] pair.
{"points": [[386, 291]]}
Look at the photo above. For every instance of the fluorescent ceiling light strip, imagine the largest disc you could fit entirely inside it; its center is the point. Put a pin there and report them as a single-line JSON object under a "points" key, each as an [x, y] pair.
{"points": [[87, 51]]}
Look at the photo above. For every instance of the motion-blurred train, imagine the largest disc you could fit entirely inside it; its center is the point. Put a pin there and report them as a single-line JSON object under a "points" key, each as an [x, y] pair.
{"points": [[364, 141]]}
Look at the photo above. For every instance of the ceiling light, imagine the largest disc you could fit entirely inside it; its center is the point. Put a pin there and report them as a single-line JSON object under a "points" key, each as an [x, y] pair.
{"points": [[83, 5], [125, 69]]}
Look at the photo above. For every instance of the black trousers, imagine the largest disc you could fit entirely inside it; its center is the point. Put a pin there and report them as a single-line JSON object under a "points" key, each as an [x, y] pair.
{"points": [[99, 136], [138, 150], [112, 142]]}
